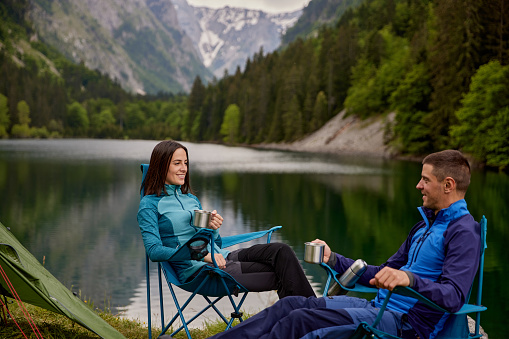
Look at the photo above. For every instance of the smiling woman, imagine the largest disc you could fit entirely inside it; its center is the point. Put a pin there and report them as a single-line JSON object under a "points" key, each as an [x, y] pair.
{"points": [[166, 220]]}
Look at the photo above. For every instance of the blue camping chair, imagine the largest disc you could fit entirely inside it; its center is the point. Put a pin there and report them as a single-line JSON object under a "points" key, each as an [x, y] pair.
{"points": [[210, 282], [456, 326]]}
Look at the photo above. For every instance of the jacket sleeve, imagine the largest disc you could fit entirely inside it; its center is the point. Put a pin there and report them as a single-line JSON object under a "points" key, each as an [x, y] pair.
{"points": [[462, 248], [397, 260], [148, 222]]}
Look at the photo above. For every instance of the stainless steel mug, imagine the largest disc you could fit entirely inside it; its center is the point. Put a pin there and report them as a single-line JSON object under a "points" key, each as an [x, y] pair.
{"points": [[313, 252], [201, 218]]}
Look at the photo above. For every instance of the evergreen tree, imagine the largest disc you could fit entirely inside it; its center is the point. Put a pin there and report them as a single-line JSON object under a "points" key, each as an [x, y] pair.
{"points": [[4, 117], [195, 103], [454, 59]]}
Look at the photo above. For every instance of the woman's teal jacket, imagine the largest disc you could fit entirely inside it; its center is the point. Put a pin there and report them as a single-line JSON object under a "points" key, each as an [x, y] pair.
{"points": [[166, 222]]}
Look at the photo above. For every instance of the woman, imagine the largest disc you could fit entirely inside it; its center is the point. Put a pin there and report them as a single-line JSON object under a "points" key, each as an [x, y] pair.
{"points": [[165, 218]]}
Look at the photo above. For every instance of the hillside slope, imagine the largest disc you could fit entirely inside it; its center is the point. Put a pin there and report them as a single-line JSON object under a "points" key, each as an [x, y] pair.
{"points": [[137, 42], [345, 135]]}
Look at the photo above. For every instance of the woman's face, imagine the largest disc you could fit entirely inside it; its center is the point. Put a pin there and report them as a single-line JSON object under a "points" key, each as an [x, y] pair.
{"points": [[178, 168]]}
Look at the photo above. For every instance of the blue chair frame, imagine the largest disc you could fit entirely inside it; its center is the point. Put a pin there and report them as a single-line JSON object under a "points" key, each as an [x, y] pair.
{"points": [[210, 282], [456, 326]]}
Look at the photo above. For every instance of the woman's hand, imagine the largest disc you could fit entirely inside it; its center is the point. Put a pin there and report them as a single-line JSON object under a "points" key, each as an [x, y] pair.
{"points": [[220, 261], [215, 220], [326, 251]]}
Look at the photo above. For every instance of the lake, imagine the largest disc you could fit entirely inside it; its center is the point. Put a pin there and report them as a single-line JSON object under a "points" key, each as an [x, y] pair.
{"points": [[73, 204]]}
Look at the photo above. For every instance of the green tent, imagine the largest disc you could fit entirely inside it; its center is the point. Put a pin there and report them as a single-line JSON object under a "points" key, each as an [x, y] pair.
{"points": [[35, 285]]}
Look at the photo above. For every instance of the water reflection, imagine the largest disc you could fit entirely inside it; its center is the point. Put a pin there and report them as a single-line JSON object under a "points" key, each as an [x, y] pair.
{"points": [[74, 203]]}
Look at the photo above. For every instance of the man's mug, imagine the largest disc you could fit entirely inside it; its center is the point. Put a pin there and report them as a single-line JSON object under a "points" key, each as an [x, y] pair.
{"points": [[313, 252]]}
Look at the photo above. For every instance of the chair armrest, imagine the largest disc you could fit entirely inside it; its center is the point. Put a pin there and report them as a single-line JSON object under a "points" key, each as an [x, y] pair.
{"points": [[183, 252], [332, 274], [409, 292], [240, 238]]}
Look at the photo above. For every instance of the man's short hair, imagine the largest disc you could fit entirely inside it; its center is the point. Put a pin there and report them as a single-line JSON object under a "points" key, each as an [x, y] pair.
{"points": [[450, 163]]}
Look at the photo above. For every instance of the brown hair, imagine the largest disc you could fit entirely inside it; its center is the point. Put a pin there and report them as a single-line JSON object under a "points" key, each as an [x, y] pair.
{"points": [[450, 163], [158, 169]]}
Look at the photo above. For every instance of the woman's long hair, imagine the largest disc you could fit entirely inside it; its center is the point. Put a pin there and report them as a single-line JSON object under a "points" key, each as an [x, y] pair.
{"points": [[158, 169]]}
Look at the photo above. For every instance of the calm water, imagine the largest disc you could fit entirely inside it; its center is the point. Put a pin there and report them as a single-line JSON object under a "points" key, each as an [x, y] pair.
{"points": [[73, 204]]}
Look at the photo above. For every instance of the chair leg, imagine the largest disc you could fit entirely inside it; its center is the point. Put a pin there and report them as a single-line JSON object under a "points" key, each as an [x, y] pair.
{"points": [[180, 310], [149, 319], [161, 301]]}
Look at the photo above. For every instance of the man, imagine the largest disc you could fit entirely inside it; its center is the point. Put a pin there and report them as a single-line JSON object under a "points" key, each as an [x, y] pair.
{"points": [[439, 259]]}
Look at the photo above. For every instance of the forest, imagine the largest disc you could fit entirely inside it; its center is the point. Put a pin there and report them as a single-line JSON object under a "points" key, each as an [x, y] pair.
{"points": [[441, 66]]}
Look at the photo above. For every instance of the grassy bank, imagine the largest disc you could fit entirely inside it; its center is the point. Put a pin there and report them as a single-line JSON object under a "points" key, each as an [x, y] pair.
{"points": [[55, 326]]}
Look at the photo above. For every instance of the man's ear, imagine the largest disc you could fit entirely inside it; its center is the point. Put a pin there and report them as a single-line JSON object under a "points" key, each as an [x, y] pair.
{"points": [[449, 185]]}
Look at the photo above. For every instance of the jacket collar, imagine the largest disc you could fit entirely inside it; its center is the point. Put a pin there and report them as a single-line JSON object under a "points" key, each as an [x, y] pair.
{"points": [[172, 189], [454, 211]]}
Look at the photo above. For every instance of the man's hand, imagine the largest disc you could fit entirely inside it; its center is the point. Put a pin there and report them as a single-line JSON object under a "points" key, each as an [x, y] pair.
{"points": [[326, 251], [389, 278], [220, 261]]}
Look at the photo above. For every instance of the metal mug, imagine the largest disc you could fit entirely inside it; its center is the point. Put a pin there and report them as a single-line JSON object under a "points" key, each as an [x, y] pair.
{"points": [[201, 218], [313, 252]]}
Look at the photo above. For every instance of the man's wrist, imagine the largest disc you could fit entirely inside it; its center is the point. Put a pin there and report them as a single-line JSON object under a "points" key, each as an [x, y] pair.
{"points": [[332, 260], [411, 278]]}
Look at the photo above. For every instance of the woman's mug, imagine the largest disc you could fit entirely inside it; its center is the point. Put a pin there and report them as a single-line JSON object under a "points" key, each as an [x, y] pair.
{"points": [[201, 218], [313, 252]]}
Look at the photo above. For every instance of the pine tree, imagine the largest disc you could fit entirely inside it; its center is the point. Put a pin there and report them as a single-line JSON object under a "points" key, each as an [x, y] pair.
{"points": [[4, 116], [454, 59]]}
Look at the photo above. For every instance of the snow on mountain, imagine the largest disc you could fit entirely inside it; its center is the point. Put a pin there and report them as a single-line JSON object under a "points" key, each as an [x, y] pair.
{"points": [[226, 37]]}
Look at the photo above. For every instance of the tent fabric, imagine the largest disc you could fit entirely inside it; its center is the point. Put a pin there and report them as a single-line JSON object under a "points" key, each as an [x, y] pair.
{"points": [[37, 286]]}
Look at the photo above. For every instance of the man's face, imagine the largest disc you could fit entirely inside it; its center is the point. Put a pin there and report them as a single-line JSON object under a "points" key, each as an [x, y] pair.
{"points": [[432, 190]]}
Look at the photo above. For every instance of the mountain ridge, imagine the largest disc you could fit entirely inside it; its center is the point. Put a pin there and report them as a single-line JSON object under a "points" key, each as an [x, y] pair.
{"points": [[152, 46], [227, 37]]}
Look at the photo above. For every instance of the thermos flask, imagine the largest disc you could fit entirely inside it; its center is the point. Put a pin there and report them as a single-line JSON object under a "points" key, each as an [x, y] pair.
{"points": [[349, 277], [353, 273]]}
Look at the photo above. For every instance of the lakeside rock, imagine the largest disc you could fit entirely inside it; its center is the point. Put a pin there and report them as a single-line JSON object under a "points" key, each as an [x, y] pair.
{"points": [[345, 134]]}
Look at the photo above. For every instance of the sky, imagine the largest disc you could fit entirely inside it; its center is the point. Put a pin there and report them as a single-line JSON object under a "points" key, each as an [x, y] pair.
{"points": [[270, 6]]}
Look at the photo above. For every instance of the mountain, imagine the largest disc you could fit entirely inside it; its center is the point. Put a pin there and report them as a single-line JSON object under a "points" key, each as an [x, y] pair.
{"points": [[226, 37], [316, 14], [139, 43]]}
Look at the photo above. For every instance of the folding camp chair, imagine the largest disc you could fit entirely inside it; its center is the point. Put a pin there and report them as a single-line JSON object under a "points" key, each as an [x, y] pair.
{"points": [[210, 281], [456, 326]]}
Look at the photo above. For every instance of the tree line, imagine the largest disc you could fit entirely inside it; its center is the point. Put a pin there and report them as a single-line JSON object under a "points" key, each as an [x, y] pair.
{"points": [[441, 66]]}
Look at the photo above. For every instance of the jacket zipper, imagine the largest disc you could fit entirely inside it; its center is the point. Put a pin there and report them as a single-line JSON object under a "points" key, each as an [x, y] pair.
{"points": [[420, 241], [181, 205]]}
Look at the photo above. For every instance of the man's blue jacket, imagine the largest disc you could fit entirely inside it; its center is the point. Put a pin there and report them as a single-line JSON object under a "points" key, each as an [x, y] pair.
{"points": [[441, 255]]}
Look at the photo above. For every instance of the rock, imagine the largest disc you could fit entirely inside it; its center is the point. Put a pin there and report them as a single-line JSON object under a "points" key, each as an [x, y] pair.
{"points": [[345, 135], [471, 327]]}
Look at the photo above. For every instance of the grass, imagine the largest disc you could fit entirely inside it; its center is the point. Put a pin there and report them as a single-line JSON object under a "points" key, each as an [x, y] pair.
{"points": [[55, 326]]}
